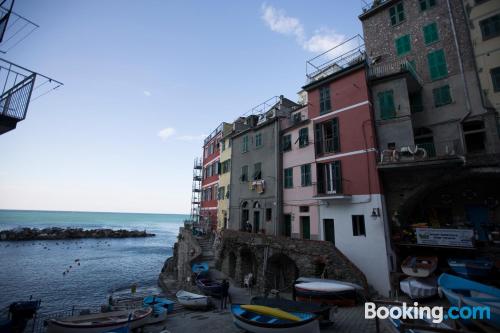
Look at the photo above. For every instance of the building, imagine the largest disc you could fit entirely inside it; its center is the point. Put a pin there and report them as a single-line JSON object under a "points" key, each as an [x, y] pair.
{"points": [[300, 207], [439, 144], [351, 203], [209, 183], [255, 194], [484, 27]]}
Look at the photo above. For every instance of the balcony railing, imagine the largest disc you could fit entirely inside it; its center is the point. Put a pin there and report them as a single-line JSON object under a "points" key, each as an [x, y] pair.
{"points": [[422, 152], [343, 55], [325, 146], [377, 71], [14, 28], [369, 5]]}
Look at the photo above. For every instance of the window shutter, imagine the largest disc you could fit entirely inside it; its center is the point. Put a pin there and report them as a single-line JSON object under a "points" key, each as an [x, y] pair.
{"points": [[336, 135], [338, 176], [320, 169], [319, 143]]}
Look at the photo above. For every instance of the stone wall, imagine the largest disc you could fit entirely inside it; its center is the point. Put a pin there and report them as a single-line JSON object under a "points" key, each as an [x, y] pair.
{"points": [[276, 262]]}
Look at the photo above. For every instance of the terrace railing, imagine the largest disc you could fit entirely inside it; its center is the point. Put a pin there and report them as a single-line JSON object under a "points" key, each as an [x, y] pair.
{"points": [[422, 151], [376, 71], [14, 28]]}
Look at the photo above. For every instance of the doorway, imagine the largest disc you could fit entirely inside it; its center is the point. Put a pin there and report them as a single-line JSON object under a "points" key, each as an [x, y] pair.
{"points": [[329, 229], [305, 226], [478, 217], [256, 221], [287, 232]]}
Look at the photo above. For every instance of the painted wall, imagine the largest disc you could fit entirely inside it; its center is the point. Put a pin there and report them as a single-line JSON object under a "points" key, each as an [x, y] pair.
{"points": [[224, 181], [368, 252]]}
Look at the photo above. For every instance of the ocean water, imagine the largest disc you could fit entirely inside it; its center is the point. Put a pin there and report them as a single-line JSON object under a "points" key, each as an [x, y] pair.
{"points": [[35, 268]]}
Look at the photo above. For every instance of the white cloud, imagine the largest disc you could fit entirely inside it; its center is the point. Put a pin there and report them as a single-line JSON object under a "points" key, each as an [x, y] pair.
{"points": [[320, 41], [166, 133], [147, 93]]}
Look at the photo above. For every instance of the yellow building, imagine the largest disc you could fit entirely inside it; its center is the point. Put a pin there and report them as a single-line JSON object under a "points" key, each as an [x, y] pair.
{"points": [[224, 179], [484, 27]]}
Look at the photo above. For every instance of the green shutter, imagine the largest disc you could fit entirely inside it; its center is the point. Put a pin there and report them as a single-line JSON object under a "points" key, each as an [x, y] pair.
{"points": [[336, 135], [442, 96], [397, 13], [430, 33], [437, 64], [306, 229], [403, 45], [289, 178], [338, 176], [319, 135], [386, 104], [303, 137]]}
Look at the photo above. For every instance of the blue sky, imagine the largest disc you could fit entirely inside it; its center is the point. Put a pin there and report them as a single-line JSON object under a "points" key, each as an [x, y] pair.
{"points": [[144, 81]]}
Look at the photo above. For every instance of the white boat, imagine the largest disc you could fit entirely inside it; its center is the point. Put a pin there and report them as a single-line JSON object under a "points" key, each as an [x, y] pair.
{"points": [[419, 266], [100, 322], [325, 293], [418, 288], [310, 279], [191, 300]]}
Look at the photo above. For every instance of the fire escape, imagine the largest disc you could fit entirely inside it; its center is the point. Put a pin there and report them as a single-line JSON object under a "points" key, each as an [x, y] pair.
{"points": [[19, 85], [196, 192]]}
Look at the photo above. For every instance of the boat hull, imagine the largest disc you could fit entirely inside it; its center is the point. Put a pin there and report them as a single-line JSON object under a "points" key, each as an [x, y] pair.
{"points": [[209, 287], [471, 268], [341, 295], [418, 288], [252, 322], [419, 266]]}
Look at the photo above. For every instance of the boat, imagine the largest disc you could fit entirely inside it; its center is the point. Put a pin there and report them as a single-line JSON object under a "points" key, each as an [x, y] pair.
{"points": [[257, 319], [209, 287], [192, 301], [460, 292], [418, 288], [199, 267], [123, 329], [18, 314], [471, 267], [100, 322], [427, 321], [310, 279], [159, 302], [325, 293], [419, 266], [325, 313]]}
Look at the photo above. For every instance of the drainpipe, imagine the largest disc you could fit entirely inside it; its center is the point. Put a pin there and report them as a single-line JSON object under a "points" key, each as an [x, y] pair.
{"points": [[278, 168], [461, 65]]}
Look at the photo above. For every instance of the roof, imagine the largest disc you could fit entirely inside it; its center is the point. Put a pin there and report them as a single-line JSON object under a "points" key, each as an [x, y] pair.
{"points": [[375, 8], [334, 76]]}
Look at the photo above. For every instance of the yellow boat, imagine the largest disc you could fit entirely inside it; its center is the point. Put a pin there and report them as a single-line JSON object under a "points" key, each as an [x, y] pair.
{"points": [[268, 311]]}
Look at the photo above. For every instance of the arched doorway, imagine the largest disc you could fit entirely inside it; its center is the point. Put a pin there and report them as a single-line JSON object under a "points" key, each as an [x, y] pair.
{"points": [[256, 217], [281, 272], [248, 263], [244, 215]]}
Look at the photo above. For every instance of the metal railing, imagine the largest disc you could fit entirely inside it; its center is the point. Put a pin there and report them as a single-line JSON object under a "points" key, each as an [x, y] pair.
{"points": [[369, 5], [400, 66], [343, 55], [14, 28], [14, 102], [404, 153], [325, 146]]}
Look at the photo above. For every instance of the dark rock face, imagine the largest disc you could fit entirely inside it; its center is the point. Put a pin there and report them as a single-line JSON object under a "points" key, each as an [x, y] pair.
{"points": [[68, 233]]}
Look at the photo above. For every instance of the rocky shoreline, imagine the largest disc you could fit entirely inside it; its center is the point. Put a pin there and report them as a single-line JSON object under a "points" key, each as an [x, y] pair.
{"points": [[54, 233]]}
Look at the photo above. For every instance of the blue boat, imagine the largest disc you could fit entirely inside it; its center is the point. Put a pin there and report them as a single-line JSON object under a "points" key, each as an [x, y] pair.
{"points": [[199, 267], [471, 267], [123, 329], [463, 292], [159, 304], [255, 322]]}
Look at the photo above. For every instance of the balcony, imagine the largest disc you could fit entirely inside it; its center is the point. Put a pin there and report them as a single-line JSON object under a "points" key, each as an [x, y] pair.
{"points": [[326, 146], [344, 55], [422, 154], [20, 87], [397, 68], [14, 28]]}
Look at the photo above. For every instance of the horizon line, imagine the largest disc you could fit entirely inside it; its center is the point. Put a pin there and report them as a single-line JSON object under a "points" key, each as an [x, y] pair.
{"points": [[88, 211]]}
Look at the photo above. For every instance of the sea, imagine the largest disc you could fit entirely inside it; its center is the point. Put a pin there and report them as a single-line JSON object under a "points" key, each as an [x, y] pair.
{"points": [[35, 268]]}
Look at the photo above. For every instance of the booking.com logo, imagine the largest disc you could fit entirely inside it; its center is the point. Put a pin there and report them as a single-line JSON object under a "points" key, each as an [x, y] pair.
{"points": [[436, 313]]}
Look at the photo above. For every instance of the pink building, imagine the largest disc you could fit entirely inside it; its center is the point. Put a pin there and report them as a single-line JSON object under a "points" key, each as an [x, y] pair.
{"points": [[300, 209]]}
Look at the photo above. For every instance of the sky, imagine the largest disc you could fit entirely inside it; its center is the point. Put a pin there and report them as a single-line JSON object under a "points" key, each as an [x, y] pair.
{"points": [[144, 82]]}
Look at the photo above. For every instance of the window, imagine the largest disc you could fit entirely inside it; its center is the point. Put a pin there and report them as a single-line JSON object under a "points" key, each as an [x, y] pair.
{"points": [[474, 134], [430, 33], [324, 100], [397, 14], [304, 209], [209, 171], [258, 140], [269, 214], [386, 104], [257, 172], [244, 173], [403, 45], [223, 145], [490, 27], [226, 166], [495, 78], [287, 142], [305, 175], [358, 225], [437, 64], [416, 104], [303, 137], [287, 230], [217, 167], [211, 149], [330, 178], [244, 144], [289, 178], [442, 96], [228, 143], [328, 137], [426, 4], [297, 117], [305, 226], [221, 193]]}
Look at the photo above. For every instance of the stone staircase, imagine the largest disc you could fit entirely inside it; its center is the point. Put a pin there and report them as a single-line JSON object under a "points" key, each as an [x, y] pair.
{"points": [[207, 252]]}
